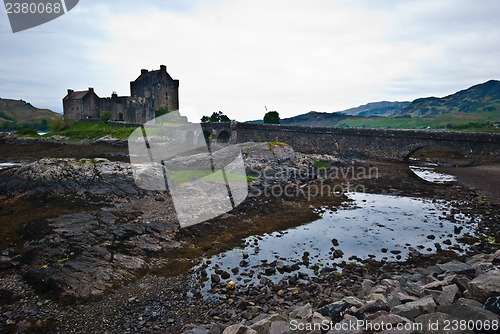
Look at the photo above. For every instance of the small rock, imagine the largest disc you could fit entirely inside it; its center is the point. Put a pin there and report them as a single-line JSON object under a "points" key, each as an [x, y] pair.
{"points": [[215, 278]]}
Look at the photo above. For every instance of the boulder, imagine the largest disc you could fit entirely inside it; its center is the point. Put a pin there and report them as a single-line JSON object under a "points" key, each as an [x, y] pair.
{"points": [[434, 323], [412, 310], [448, 295], [452, 267], [484, 286], [465, 309]]}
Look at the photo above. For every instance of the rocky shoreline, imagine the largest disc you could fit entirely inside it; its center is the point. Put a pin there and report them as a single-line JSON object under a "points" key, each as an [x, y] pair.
{"points": [[85, 250]]}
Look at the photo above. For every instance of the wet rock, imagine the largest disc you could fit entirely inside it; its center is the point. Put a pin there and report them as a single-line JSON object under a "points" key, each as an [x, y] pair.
{"points": [[448, 295], [412, 310], [493, 304], [484, 286], [215, 278], [452, 267], [334, 310], [224, 275]]}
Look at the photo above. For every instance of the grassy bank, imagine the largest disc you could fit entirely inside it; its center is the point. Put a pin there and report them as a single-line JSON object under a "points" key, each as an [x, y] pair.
{"points": [[87, 130]]}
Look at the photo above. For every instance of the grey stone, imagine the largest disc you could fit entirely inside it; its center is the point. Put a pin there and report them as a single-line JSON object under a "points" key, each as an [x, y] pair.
{"points": [[346, 325], [239, 329], [484, 286], [414, 289], [302, 312], [279, 327], [434, 323], [465, 309], [452, 267], [375, 306], [448, 295], [412, 310], [353, 301]]}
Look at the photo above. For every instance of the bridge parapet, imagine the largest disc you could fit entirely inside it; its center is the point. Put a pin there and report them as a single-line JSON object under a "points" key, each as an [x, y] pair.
{"points": [[376, 144]]}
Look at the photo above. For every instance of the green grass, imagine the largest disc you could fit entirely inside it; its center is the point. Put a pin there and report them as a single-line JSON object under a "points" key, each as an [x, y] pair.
{"points": [[87, 130], [321, 164]]}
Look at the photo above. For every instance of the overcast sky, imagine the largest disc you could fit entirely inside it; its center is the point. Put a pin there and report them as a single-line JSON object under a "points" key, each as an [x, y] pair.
{"points": [[239, 56]]}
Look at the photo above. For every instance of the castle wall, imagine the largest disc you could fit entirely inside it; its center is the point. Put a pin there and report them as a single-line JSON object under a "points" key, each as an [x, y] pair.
{"points": [[149, 92]]}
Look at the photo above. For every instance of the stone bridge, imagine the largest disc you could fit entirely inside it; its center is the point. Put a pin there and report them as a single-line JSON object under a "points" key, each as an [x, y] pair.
{"points": [[376, 144]]}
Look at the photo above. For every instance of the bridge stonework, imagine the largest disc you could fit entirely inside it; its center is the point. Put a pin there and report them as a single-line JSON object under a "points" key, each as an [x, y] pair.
{"points": [[375, 144]]}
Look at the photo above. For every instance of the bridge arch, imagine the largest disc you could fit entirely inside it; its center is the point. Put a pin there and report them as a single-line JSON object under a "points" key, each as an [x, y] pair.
{"points": [[223, 136]]}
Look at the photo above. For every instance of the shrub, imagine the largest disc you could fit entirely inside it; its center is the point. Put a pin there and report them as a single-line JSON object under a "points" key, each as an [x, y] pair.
{"points": [[58, 125], [105, 117], [27, 132]]}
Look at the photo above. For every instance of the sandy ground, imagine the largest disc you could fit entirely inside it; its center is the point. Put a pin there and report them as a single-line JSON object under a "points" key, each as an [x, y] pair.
{"points": [[485, 179]]}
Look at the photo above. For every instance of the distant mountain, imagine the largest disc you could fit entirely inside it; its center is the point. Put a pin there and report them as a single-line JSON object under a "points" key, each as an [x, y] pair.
{"points": [[20, 112], [384, 108], [314, 118], [475, 108], [480, 98]]}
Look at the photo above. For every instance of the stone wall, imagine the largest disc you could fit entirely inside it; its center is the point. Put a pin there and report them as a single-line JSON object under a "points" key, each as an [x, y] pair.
{"points": [[377, 144]]}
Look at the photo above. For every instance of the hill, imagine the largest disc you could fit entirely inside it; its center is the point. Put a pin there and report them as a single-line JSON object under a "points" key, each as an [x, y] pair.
{"points": [[482, 98], [314, 118], [383, 108], [18, 113], [474, 108]]}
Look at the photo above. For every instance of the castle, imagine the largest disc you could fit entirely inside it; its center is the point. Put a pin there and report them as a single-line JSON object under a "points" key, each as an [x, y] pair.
{"points": [[151, 91]]}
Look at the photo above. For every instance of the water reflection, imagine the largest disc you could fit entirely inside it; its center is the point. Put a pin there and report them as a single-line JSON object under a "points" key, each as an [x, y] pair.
{"points": [[429, 174], [372, 225]]}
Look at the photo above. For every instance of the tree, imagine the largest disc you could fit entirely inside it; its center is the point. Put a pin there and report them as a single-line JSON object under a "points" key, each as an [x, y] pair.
{"points": [[217, 117], [272, 117], [105, 117], [161, 111]]}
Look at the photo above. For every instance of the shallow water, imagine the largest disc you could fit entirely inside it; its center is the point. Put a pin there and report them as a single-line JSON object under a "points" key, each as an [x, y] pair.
{"points": [[371, 225], [429, 174], [4, 165]]}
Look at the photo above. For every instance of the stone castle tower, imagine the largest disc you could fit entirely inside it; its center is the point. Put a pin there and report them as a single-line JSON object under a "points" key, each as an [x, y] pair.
{"points": [[151, 91]]}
